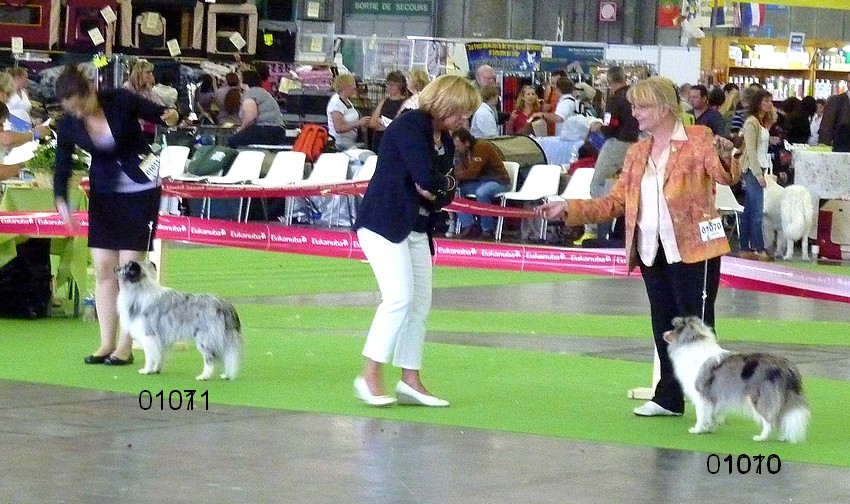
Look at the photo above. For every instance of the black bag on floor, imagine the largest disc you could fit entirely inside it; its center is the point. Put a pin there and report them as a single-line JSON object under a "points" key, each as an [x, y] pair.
{"points": [[25, 281]]}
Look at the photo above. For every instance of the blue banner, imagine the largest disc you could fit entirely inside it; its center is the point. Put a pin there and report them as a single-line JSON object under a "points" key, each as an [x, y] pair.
{"points": [[505, 56], [571, 58]]}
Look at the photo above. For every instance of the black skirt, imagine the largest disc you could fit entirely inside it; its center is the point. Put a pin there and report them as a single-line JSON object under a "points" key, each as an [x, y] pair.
{"points": [[121, 221]]}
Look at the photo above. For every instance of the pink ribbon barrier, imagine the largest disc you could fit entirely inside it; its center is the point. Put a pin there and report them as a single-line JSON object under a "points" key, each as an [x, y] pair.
{"points": [[735, 273]]}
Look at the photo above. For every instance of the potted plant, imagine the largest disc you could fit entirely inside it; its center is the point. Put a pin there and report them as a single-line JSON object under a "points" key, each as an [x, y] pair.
{"points": [[43, 165]]}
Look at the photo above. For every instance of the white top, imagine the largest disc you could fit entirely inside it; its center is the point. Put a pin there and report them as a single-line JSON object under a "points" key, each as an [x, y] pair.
{"points": [[167, 94], [19, 106], [350, 114], [814, 128], [764, 143], [566, 108], [483, 122], [411, 103], [654, 221]]}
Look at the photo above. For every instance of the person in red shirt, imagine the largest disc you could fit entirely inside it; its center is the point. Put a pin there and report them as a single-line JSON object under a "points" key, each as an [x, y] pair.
{"points": [[527, 103]]}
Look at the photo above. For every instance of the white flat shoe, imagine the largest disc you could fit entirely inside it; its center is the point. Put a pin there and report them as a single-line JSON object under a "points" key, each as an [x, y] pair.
{"points": [[408, 395], [650, 408], [361, 391]]}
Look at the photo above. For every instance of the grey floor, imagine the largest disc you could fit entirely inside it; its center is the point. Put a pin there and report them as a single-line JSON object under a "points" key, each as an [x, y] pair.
{"points": [[79, 446]]}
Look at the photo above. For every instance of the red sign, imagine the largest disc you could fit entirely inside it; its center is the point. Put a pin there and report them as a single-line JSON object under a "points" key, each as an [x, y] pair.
{"points": [[607, 11]]}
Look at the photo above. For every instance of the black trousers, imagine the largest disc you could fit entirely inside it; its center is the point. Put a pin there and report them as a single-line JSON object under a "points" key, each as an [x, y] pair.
{"points": [[675, 290]]}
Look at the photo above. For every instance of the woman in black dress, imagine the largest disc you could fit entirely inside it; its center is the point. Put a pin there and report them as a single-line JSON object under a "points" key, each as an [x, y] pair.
{"points": [[123, 201]]}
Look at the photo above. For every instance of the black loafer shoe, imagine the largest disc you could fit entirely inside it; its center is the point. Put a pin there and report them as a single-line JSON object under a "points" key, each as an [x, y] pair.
{"points": [[95, 359], [115, 361]]}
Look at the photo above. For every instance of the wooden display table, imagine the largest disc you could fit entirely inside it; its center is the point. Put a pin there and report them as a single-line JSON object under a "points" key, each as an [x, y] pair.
{"points": [[248, 25]]}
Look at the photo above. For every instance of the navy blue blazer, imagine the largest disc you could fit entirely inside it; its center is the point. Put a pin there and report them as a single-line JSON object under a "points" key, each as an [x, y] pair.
{"points": [[122, 109], [406, 157]]}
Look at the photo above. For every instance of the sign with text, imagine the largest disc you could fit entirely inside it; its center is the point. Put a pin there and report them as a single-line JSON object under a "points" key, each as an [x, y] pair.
{"points": [[507, 56], [571, 58], [394, 8]]}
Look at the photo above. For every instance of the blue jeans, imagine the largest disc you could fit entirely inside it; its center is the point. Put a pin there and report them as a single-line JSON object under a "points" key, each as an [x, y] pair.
{"points": [[485, 191], [752, 235]]}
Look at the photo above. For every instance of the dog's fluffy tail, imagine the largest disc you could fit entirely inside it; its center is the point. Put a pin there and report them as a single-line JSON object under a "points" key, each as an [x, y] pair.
{"points": [[797, 212], [794, 423]]}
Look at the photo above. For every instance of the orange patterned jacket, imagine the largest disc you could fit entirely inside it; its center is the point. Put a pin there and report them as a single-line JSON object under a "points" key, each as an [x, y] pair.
{"points": [[689, 186]]}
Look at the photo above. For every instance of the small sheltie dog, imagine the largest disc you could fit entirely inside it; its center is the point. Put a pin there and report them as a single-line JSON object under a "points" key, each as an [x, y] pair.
{"points": [[717, 381], [157, 316]]}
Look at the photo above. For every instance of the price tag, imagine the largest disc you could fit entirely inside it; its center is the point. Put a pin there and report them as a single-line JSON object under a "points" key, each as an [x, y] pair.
{"points": [[316, 44], [150, 21], [312, 9], [173, 47], [711, 229], [546, 52], [268, 39], [95, 36], [108, 15], [100, 61], [237, 41], [17, 45]]}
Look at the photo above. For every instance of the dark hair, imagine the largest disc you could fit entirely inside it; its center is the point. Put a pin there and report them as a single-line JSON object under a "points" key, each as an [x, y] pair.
{"points": [[716, 97], [756, 85], [72, 82], [232, 79], [703, 91], [4, 111], [206, 83], [730, 86], [397, 77], [233, 100], [167, 78], [616, 74], [262, 70], [755, 103], [559, 73], [810, 106], [464, 136], [820, 101], [791, 104], [565, 85], [251, 78]]}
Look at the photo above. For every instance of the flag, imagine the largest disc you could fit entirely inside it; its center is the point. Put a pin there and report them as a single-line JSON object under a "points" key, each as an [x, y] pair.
{"points": [[750, 14]]}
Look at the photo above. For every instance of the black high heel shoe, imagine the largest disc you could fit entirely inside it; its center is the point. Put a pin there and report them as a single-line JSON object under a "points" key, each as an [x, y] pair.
{"points": [[115, 361]]}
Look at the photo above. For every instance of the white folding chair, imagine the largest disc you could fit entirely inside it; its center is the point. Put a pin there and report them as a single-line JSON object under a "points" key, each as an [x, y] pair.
{"points": [[287, 168], [366, 171], [578, 188], [726, 204], [245, 168], [172, 162], [330, 168], [542, 181]]}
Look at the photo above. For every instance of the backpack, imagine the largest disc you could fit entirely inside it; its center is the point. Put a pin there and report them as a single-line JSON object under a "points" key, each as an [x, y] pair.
{"points": [[311, 141]]}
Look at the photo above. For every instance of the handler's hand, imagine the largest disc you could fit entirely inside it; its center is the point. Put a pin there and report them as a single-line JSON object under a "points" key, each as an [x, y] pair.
{"points": [[71, 223], [554, 210], [170, 117], [425, 194]]}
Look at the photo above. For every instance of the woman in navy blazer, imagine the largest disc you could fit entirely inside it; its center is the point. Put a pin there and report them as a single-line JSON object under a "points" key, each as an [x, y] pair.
{"points": [[123, 201], [393, 224]]}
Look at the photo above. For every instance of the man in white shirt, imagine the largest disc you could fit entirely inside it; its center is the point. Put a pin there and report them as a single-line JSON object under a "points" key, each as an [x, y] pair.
{"points": [[566, 108], [483, 122]]}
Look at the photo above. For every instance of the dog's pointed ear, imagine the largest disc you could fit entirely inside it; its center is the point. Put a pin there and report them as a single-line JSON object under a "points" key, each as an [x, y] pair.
{"points": [[678, 323]]}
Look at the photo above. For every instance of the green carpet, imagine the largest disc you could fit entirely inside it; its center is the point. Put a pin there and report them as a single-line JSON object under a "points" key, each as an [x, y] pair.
{"points": [[538, 393], [293, 363]]}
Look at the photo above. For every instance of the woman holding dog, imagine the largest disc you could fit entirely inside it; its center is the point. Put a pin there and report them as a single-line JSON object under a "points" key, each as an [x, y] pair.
{"points": [[673, 232], [123, 200], [410, 185]]}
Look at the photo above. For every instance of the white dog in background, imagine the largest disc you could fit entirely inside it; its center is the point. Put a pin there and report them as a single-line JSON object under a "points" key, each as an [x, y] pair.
{"points": [[789, 215]]}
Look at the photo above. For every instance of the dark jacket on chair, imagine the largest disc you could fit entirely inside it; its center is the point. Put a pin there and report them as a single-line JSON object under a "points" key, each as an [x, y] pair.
{"points": [[122, 109], [406, 157]]}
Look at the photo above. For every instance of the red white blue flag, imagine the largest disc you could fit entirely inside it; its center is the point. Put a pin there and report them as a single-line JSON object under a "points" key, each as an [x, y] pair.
{"points": [[750, 14]]}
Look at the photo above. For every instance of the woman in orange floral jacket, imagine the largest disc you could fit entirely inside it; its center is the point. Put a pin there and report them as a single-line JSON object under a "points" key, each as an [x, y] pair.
{"points": [[673, 231]]}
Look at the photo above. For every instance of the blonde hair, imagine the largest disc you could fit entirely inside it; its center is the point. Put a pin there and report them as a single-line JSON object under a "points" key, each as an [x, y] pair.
{"points": [[656, 92], [730, 105], [6, 84], [520, 101], [139, 68], [19, 72], [418, 79], [343, 80], [447, 95]]}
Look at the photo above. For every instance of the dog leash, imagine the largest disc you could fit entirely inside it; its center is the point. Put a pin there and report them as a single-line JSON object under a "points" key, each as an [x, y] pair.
{"points": [[156, 183]]}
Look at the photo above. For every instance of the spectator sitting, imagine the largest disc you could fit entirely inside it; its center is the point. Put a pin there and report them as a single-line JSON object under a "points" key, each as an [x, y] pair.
{"points": [[567, 106], [703, 113], [484, 120], [263, 71], [205, 98], [229, 100], [19, 104], [527, 103], [388, 108], [260, 117], [417, 79], [479, 170], [344, 120]]}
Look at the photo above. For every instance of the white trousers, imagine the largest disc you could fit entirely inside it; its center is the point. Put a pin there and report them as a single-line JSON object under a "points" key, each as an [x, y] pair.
{"points": [[403, 272]]}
